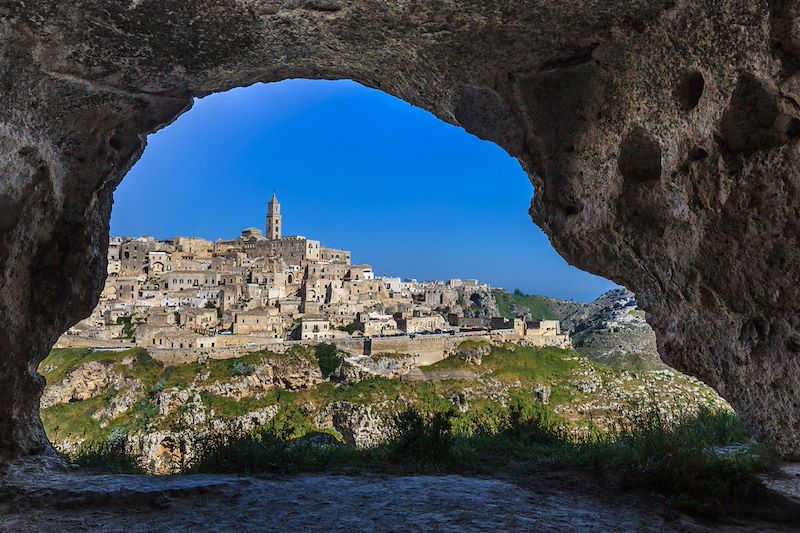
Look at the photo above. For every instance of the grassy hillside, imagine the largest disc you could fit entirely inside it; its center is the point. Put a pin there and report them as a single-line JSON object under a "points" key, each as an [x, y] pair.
{"points": [[509, 371], [510, 305], [491, 423]]}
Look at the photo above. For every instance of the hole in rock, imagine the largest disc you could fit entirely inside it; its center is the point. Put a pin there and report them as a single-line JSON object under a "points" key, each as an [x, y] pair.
{"points": [[697, 154], [689, 90], [793, 128], [308, 264], [640, 157]]}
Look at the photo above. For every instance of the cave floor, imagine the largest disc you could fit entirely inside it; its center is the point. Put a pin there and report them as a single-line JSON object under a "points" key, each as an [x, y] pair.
{"points": [[39, 499]]}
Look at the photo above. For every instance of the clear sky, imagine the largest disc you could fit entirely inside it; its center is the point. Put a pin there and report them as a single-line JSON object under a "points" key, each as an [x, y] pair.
{"points": [[355, 168]]}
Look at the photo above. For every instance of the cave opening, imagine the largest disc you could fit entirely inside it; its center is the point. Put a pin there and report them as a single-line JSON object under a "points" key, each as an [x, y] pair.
{"points": [[198, 315]]}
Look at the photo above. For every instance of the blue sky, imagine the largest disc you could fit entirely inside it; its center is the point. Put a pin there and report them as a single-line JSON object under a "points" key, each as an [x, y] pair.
{"points": [[355, 168]]}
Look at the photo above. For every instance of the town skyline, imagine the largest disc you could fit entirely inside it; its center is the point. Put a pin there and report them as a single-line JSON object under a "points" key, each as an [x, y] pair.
{"points": [[405, 191]]}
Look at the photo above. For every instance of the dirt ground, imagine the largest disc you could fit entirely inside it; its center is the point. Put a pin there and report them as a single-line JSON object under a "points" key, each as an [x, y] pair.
{"points": [[35, 498]]}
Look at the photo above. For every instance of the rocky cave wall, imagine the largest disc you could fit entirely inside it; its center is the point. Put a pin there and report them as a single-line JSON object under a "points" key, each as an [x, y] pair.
{"points": [[660, 137]]}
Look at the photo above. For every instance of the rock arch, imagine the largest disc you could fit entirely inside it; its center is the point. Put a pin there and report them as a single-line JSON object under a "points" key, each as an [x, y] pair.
{"points": [[706, 232]]}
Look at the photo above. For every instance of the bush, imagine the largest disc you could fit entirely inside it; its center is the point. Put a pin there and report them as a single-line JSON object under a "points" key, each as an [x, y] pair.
{"points": [[350, 328], [678, 459], [241, 368], [328, 358], [128, 328], [107, 455], [424, 438], [237, 453]]}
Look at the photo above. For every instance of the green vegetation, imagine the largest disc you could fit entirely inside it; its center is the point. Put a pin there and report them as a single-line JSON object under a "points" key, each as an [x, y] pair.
{"points": [[680, 460], [511, 433], [513, 362], [350, 328], [676, 459], [241, 368], [510, 305], [328, 358], [106, 456], [128, 328], [62, 361], [638, 313]]}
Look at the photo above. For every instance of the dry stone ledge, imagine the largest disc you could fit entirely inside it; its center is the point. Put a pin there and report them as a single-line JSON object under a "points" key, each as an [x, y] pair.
{"points": [[660, 137]]}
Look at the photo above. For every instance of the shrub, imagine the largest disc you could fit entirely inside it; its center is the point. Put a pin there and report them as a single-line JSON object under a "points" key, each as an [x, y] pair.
{"points": [[236, 453], [328, 358], [678, 459], [420, 437], [350, 328], [107, 455], [241, 368], [128, 328]]}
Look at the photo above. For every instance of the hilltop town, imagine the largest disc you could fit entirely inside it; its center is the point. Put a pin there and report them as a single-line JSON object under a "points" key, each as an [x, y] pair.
{"points": [[189, 298], [194, 340]]}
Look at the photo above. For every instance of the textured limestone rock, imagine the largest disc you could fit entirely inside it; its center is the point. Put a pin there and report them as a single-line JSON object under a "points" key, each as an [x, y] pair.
{"points": [[474, 355], [660, 136], [360, 425], [87, 381], [355, 368]]}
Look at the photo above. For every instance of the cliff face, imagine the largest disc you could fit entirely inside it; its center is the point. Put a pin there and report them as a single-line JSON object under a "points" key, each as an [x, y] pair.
{"points": [[612, 330], [660, 137]]}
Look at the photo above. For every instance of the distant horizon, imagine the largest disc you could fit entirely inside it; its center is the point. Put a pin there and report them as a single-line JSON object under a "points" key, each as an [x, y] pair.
{"points": [[355, 168]]}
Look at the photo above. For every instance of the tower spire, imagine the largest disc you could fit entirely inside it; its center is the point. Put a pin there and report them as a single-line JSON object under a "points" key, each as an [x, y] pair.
{"points": [[274, 218]]}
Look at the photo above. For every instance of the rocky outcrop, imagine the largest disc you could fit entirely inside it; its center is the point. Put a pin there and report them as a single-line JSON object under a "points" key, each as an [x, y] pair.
{"points": [[166, 451], [290, 373], [359, 425], [660, 137], [473, 355], [87, 381], [359, 367]]}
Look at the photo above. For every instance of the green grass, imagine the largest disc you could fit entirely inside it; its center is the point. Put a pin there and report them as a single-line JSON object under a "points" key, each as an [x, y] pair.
{"points": [[227, 408], [514, 362], [73, 420], [537, 305], [471, 344], [367, 391], [638, 313]]}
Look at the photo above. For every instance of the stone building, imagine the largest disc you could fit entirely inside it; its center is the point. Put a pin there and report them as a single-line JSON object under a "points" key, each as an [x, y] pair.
{"points": [[198, 319], [315, 328], [264, 287], [420, 323], [258, 321], [334, 255], [376, 324], [194, 246]]}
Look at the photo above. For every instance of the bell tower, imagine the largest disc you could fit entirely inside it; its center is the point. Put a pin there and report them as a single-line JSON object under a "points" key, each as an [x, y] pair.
{"points": [[274, 219]]}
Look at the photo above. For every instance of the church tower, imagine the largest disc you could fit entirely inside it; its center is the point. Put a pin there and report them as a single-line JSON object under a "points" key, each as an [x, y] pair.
{"points": [[274, 219]]}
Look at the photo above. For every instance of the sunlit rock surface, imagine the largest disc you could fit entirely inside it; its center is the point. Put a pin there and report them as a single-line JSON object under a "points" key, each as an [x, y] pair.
{"points": [[660, 136]]}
